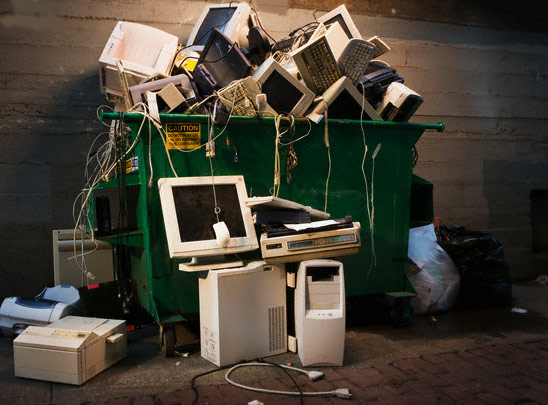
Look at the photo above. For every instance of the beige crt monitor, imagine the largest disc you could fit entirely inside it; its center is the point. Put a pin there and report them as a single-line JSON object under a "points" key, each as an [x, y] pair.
{"points": [[341, 15], [232, 19], [188, 208]]}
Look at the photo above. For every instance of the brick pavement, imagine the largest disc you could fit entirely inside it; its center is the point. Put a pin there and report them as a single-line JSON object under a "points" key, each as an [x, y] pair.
{"points": [[499, 374]]}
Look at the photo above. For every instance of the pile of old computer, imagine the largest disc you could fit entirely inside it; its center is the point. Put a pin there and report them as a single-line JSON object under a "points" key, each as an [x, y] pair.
{"points": [[230, 63]]}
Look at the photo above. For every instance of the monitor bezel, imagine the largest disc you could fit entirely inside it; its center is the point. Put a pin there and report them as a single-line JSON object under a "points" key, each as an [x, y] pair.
{"points": [[264, 71], [210, 247], [235, 28], [343, 12], [331, 94]]}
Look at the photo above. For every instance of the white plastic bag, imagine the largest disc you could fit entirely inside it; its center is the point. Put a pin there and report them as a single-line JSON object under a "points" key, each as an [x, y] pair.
{"points": [[438, 281]]}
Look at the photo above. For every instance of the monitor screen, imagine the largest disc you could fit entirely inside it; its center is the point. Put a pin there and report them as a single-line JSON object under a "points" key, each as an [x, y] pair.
{"points": [[215, 18], [223, 59], [232, 19], [345, 107], [188, 208], [282, 96], [195, 210]]}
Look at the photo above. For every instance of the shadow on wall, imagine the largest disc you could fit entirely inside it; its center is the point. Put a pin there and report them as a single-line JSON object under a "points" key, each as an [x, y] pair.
{"points": [[507, 187], [46, 141]]}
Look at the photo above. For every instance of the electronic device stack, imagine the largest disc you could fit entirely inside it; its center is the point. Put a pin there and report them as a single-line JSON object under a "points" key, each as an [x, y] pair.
{"points": [[238, 166]]}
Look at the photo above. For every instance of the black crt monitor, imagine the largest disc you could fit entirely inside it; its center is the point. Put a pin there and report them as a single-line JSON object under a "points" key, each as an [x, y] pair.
{"points": [[223, 59]]}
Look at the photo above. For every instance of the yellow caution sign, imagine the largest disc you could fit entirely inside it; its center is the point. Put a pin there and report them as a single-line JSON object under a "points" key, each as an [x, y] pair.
{"points": [[183, 136], [132, 164]]}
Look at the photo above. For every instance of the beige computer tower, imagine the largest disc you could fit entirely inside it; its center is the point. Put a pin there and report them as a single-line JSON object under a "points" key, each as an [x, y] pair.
{"points": [[243, 313], [98, 257], [320, 312], [71, 350]]}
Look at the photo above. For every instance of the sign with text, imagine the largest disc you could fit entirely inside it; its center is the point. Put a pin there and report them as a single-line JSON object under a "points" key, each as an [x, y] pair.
{"points": [[183, 136]]}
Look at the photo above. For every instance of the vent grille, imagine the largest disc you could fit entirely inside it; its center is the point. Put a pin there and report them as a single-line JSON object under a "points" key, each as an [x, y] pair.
{"points": [[276, 328]]}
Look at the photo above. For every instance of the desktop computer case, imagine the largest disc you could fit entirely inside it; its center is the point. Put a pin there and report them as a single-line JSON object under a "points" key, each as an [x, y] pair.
{"points": [[320, 315], [243, 313]]}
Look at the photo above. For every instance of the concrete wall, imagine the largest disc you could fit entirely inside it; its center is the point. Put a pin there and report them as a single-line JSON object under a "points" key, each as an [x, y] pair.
{"points": [[481, 72]]}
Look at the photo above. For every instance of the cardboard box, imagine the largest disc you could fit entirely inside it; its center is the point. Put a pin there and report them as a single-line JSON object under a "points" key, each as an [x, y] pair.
{"points": [[143, 51], [71, 350]]}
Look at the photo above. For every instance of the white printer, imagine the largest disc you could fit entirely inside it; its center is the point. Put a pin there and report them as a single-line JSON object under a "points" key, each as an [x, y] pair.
{"points": [[71, 350], [52, 304], [399, 103]]}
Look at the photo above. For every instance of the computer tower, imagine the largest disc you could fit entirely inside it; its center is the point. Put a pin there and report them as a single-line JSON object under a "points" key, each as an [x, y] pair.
{"points": [[243, 313], [320, 312]]}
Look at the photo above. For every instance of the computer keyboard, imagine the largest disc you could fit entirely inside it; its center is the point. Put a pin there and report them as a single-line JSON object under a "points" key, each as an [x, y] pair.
{"points": [[355, 57], [317, 65], [239, 96]]}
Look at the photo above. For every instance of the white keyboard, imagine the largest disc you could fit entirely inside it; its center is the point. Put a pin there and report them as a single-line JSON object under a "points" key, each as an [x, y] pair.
{"points": [[355, 57]]}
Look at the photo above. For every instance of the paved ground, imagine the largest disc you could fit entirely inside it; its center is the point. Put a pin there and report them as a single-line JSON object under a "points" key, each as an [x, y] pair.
{"points": [[475, 356]]}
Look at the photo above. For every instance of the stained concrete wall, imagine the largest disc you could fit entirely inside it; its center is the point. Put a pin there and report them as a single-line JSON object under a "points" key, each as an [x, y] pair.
{"points": [[483, 73]]}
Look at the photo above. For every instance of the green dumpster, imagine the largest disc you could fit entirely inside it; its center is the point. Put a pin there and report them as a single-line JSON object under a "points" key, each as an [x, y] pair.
{"points": [[332, 172]]}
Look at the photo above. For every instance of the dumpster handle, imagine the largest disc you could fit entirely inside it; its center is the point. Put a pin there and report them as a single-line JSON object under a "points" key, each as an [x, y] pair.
{"points": [[132, 117]]}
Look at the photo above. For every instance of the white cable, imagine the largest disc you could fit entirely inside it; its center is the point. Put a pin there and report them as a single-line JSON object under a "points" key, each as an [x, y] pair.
{"points": [[326, 139], [372, 223], [211, 131], [301, 137], [367, 201], [277, 140], [340, 393], [277, 171], [150, 155]]}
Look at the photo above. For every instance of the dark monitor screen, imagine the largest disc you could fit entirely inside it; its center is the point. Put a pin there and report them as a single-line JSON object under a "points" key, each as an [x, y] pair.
{"points": [[281, 95], [195, 210], [345, 107], [321, 273], [223, 59], [215, 18]]}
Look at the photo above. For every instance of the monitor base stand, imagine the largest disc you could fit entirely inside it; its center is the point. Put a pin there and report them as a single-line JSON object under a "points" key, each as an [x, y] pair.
{"points": [[209, 263]]}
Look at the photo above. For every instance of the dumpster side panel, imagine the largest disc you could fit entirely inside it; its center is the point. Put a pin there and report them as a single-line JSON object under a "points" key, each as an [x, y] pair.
{"points": [[248, 149]]}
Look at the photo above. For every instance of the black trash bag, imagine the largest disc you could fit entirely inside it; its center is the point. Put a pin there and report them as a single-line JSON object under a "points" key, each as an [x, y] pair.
{"points": [[485, 279]]}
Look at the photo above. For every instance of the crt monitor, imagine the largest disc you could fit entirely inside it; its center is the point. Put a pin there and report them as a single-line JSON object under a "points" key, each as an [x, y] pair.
{"points": [[232, 19], [188, 208], [343, 101], [284, 93], [341, 15], [223, 59]]}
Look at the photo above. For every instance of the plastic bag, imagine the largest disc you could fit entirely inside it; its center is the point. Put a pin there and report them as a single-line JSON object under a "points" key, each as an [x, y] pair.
{"points": [[485, 279], [438, 281]]}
